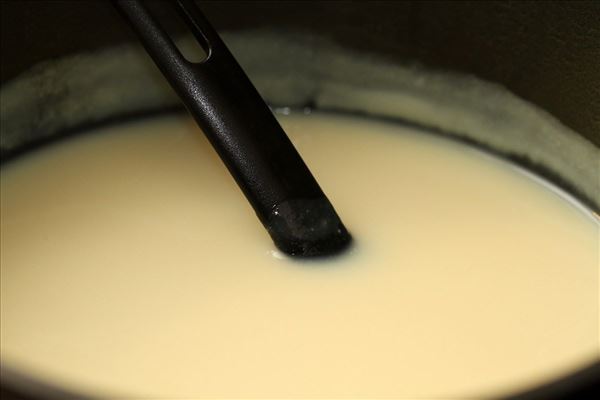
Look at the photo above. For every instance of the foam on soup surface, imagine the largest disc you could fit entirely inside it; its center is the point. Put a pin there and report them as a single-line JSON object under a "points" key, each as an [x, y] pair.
{"points": [[132, 266]]}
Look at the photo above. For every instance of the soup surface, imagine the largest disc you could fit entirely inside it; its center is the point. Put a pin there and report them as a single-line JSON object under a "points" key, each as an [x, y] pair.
{"points": [[132, 266]]}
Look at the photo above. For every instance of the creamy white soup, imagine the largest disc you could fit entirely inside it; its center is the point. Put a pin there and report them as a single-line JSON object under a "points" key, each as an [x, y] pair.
{"points": [[132, 266]]}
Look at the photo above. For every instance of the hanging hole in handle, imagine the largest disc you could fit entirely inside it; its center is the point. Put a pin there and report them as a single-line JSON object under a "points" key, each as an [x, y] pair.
{"points": [[194, 48]]}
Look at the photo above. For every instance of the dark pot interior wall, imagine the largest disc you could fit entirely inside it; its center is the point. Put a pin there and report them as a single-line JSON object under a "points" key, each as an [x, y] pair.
{"points": [[545, 52]]}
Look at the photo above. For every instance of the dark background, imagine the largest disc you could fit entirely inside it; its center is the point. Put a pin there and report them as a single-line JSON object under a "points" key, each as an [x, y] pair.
{"points": [[545, 52]]}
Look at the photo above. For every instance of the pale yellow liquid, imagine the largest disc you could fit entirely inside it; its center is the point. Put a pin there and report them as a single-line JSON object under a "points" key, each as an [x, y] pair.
{"points": [[132, 266]]}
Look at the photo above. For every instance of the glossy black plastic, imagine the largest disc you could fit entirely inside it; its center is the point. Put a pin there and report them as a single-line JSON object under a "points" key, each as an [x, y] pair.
{"points": [[246, 135]]}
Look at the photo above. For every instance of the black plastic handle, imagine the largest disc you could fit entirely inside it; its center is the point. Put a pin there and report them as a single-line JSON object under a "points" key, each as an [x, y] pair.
{"points": [[246, 135]]}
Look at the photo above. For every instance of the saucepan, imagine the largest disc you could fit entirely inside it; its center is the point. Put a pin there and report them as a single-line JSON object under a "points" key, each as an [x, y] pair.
{"points": [[529, 70]]}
